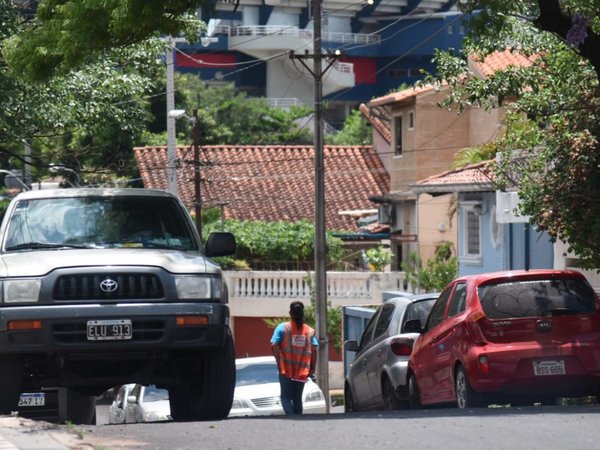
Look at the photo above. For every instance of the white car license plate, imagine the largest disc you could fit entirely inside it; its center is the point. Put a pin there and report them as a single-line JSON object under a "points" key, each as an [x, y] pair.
{"points": [[28, 399], [109, 330], [541, 368]]}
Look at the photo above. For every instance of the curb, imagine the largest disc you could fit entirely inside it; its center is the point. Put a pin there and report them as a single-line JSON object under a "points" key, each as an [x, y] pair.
{"points": [[19, 433]]}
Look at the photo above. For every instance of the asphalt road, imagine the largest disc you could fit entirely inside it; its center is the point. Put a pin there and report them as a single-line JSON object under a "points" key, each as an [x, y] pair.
{"points": [[541, 427]]}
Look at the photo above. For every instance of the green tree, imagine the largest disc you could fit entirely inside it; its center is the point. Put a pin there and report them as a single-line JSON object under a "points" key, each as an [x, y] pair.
{"points": [[78, 118], [356, 131], [226, 116], [68, 34], [557, 93], [90, 118], [437, 273]]}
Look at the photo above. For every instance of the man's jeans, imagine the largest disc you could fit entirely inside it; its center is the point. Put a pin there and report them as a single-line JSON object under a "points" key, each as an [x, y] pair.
{"points": [[291, 395]]}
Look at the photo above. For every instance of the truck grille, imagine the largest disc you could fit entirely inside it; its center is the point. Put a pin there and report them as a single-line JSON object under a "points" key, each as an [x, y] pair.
{"points": [[88, 287]]}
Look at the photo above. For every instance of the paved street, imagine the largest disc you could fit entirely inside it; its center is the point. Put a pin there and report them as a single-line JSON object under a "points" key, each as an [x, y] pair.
{"points": [[548, 428]]}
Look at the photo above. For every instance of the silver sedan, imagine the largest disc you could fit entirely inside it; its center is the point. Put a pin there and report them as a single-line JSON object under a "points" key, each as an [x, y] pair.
{"points": [[376, 379]]}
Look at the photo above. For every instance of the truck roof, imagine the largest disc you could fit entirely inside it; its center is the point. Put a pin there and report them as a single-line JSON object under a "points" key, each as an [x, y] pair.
{"points": [[92, 192]]}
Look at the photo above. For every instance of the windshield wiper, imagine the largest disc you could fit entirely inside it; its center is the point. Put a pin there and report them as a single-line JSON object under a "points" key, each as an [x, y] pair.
{"points": [[150, 244], [41, 245]]}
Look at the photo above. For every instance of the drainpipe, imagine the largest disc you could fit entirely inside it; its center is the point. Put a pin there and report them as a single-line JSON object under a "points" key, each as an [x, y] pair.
{"points": [[527, 250], [510, 247]]}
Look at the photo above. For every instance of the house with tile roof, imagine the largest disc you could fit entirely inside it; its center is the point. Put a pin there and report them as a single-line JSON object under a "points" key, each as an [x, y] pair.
{"points": [[273, 182], [416, 139], [491, 235]]}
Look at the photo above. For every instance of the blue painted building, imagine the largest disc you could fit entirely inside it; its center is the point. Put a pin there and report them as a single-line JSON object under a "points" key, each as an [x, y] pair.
{"points": [[491, 236], [384, 45], [486, 245]]}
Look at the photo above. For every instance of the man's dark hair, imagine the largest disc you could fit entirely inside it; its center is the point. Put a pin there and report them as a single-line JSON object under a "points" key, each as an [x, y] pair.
{"points": [[297, 313]]}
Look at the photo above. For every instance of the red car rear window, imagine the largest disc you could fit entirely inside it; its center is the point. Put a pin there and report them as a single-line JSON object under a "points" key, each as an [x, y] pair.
{"points": [[532, 298]]}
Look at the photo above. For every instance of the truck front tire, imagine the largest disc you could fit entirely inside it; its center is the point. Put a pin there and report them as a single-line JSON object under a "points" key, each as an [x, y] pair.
{"points": [[207, 395], [10, 383]]}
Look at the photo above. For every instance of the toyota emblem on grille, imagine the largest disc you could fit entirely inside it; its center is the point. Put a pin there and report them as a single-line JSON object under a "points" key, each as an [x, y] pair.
{"points": [[108, 285]]}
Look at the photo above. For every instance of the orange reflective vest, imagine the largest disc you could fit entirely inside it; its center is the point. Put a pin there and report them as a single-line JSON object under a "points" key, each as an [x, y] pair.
{"points": [[296, 350]]}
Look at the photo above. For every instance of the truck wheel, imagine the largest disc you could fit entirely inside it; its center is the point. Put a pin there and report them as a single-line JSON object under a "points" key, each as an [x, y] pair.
{"points": [[10, 383], [211, 398], [81, 408]]}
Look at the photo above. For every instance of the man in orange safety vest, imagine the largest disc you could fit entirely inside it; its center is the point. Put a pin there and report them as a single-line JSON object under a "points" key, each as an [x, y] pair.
{"points": [[294, 346]]}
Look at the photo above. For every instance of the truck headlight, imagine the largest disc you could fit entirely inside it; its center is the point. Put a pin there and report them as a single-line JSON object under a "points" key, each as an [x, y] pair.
{"points": [[21, 291], [193, 287]]}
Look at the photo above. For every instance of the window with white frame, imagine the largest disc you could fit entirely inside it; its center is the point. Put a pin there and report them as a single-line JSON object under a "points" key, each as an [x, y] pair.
{"points": [[471, 242], [398, 135]]}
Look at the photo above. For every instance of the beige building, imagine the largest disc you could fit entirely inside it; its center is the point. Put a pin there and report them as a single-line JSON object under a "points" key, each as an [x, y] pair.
{"points": [[416, 139]]}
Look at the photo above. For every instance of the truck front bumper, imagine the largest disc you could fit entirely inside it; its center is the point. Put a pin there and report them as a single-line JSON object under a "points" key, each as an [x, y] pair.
{"points": [[156, 326]]}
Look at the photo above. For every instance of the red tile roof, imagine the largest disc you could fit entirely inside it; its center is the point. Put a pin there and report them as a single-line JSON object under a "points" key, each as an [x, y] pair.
{"points": [[380, 118], [498, 61], [272, 182], [405, 94], [472, 178]]}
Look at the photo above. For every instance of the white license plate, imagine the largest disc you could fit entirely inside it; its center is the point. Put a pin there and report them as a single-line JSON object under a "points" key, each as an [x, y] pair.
{"points": [[32, 399], [109, 330], [541, 368]]}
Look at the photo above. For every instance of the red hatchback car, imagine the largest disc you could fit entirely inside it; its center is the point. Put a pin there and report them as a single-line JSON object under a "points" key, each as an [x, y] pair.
{"points": [[519, 337]]}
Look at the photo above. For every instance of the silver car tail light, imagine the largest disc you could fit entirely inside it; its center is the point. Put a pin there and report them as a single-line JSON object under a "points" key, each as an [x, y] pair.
{"points": [[402, 346]]}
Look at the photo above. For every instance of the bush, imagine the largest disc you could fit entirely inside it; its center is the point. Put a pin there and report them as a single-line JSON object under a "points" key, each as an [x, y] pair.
{"points": [[276, 241], [378, 258], [438, 272]]}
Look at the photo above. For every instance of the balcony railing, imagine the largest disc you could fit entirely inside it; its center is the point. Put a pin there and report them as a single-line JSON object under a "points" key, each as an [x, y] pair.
{"points": [[264, 293], [307, 34], [284, 102]]}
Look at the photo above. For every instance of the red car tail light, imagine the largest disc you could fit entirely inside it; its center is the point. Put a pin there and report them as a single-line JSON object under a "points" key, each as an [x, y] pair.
{"points": [[484, 364], [402, 346], [477, 335]]}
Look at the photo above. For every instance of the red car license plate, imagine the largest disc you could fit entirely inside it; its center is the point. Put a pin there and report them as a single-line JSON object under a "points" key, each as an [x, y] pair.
{"points": [[109, 330], [541, 368]]}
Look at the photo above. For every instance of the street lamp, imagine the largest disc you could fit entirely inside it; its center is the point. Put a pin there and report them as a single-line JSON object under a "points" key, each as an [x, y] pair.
{"points": [[177, 114], [14, 175], [58, 168]]}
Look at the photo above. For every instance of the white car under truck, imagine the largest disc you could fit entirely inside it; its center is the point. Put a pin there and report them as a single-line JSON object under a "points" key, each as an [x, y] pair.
{"points": [[104, 287]]}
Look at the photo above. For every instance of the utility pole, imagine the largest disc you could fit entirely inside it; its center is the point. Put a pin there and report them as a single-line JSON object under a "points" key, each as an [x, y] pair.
{"points": [[171, 137], [320, 240], [27, 166], [197, 197]]}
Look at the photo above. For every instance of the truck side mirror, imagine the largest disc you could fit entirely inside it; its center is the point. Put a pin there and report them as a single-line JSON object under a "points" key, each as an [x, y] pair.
{"points": [[220, 243]]}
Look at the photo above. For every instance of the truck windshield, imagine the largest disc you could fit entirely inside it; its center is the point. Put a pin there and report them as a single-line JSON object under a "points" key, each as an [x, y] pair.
{"points": [[92, 222]]}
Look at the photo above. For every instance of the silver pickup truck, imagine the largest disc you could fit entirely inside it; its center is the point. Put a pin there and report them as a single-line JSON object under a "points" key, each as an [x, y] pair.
{"points": [[103, 287]]}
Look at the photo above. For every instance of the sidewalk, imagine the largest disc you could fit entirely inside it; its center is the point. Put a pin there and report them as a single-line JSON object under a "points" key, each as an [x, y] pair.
{"points": [[18, 433]]}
